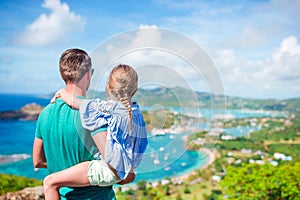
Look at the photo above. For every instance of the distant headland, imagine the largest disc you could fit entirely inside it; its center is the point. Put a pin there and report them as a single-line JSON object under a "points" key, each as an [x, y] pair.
{"points": [[173, 97], [28, 112]]}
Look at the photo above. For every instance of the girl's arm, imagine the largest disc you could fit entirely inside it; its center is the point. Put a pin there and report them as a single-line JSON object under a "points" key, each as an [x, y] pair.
{"points": [[100, 141], [72, 101]]}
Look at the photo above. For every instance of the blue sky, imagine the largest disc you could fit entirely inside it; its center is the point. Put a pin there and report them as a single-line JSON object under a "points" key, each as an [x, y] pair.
{"points": [[254, 44]]}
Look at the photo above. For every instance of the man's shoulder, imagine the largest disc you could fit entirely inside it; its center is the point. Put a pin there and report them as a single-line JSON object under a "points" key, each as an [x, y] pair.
{"points": [[56, 107], [46, 110], [48, 107]]}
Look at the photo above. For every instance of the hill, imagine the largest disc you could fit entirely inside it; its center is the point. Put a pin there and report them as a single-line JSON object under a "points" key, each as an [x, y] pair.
{"points": [[28, 112], [181, 97]]}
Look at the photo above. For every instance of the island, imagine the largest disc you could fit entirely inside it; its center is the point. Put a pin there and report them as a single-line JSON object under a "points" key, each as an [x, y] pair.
{"points": [[262, 162], [28, 112]]}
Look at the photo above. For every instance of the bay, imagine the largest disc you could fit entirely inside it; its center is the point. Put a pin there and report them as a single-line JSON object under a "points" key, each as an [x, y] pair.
{"points": [[16, 137], [166, 155]]}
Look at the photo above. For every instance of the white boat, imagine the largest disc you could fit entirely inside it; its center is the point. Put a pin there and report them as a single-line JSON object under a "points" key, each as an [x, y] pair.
{"points": [[166, 157], [156, 162], [161, 149], [156, 131]]}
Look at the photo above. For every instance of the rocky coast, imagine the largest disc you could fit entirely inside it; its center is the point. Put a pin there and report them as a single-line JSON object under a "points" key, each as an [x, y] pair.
{"points": [[30, 193], [28, 112]]}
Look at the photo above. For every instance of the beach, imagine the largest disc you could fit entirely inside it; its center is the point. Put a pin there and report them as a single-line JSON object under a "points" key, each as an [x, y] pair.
{"points": [[209, 153], [4, 159]]}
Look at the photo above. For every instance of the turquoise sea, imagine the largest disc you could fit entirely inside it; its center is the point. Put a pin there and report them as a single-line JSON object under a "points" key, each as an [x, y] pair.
{"points": [[166, 155]]}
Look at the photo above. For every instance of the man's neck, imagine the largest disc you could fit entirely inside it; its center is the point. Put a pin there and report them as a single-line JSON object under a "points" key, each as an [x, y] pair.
{"points": [[75, 90]]}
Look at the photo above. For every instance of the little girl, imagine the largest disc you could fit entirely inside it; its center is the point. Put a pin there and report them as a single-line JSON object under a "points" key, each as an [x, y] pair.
{"points": [[126, 139]]}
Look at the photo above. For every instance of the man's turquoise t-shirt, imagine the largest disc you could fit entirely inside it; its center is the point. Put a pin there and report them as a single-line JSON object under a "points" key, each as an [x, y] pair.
{"points": [[67, 143]]}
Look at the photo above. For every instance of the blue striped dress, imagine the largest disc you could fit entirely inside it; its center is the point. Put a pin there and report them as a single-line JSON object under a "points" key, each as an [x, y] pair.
{"points": [[122, 150]]}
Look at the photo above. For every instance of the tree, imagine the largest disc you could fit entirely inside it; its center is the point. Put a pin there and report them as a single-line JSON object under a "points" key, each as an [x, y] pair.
{"points": [[252, 181], [187, 190], [141, 185]]}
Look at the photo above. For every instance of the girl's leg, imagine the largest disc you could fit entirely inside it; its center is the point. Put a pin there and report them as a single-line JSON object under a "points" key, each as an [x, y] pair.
{"points": [[76, 176]]}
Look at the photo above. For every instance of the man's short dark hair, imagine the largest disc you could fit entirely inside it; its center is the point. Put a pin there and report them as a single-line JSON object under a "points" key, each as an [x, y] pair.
{"points": [[73, 64]]}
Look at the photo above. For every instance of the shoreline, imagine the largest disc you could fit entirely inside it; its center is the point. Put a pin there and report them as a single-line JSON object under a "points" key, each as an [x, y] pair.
{"points": [[7, 159], [205, 158], [211, 156]]}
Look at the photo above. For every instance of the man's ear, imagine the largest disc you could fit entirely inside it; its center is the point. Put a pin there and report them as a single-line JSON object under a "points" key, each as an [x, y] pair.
{"points": [[89, 75]]}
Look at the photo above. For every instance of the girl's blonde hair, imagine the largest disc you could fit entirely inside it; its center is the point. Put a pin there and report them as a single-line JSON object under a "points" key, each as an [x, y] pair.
{"points": [[122, 85]]}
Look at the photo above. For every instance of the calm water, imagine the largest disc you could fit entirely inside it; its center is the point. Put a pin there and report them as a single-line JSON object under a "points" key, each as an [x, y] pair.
{"points": [[165, 156], [16, 137]]}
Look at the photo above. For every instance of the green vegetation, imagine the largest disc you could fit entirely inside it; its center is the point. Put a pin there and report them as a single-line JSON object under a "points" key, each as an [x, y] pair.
{"points": [[257, 121], [292, 150], [192, 143], [265, 181], [172, 191], [240, 143], [276, 134], [11, 183], [181, 97], [197, 135], [252, 181], [165, 119], [272, 135], [172, 97], [159, 118], [239, 178]]}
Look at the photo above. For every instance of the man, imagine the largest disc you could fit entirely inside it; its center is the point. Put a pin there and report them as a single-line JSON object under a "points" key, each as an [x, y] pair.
{"points": [[60, 140]]}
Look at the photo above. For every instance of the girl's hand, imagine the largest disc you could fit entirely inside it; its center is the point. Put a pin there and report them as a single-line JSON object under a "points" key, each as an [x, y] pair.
{"points": [[129, 179], [69, 98], [72, 101], [56, 96]]}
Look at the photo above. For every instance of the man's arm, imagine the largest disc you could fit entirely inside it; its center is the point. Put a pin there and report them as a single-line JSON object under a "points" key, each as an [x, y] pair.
{"points": [[38, 154]]}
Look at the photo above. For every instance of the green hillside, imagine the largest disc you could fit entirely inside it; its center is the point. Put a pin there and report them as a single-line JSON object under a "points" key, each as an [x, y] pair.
{"points": [[11, 183], [180, 97]]}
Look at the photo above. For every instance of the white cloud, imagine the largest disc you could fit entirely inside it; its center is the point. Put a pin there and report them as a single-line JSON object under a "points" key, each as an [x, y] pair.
{"points": [[266, 77], [242, 25], [288, 46], [285, 63], [241, 75], [226, 57], [52, 28], [148, 35], [174, 60]]}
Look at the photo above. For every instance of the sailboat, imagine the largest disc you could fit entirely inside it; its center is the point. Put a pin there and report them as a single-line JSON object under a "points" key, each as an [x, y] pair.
{"points": [[156, 161]]}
